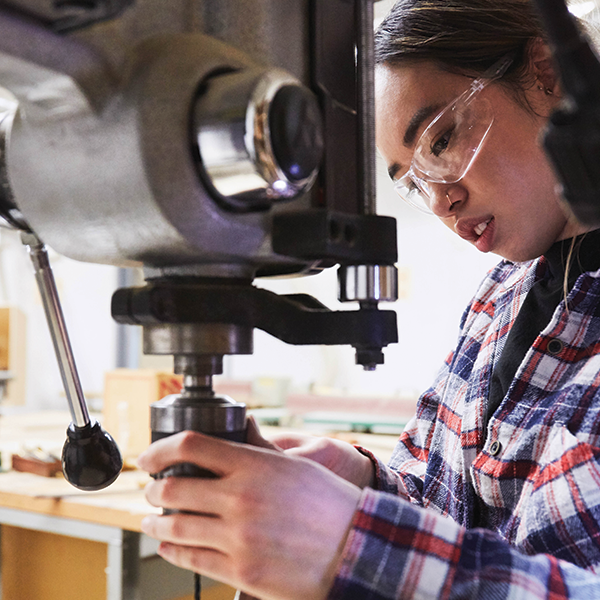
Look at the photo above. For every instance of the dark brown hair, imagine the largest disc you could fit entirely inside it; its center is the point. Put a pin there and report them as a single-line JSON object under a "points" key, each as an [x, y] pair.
{"points": [[464, 36]]}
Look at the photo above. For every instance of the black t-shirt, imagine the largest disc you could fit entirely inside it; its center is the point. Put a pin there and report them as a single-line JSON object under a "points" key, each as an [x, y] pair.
{"points": [[540, 304]]}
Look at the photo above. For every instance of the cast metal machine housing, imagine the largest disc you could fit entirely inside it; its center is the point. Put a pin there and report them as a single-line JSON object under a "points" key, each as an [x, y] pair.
{"points": [[211, 142]]}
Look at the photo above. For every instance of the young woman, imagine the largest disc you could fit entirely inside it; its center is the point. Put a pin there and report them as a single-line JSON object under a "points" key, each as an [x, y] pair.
{"points": [[493, 490]]}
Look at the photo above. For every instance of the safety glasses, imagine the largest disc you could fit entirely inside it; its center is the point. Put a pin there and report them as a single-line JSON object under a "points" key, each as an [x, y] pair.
{"points": [[449, 145]]}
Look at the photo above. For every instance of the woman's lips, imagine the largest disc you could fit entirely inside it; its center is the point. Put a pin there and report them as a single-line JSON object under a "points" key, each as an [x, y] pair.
{"points": [[479, 231], [486, 236]]}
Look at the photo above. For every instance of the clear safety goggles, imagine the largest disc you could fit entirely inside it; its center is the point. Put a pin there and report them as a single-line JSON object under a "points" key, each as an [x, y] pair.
{"points": [[449, 145]]}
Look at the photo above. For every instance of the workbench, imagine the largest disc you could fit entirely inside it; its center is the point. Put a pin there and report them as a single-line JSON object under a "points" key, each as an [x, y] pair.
{"points": [[60, 543]]}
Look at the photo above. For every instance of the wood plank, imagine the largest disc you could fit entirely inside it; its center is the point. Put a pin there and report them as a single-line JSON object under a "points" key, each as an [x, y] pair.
{"points": [[45, 566], [121, 505], [128, 394], [4, 337], [13, 353]]}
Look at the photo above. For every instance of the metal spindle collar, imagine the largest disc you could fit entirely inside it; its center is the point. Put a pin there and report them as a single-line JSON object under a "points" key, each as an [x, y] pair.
{"points": [[368, 283]]}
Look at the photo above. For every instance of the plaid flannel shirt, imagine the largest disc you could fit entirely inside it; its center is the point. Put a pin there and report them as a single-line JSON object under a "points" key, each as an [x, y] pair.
{"points": [[508, 508]]}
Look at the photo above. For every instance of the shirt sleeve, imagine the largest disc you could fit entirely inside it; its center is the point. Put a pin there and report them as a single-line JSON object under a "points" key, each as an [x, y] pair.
{"points": [[404, 474], [386, 480], [396, 550]]}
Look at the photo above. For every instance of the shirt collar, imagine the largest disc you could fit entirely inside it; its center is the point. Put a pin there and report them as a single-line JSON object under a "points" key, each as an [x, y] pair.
{"points": [[585, 256]]}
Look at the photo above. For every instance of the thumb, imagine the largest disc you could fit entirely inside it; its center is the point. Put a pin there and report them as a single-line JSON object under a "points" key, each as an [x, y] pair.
{"points": [[255, 438], [243, 596]]}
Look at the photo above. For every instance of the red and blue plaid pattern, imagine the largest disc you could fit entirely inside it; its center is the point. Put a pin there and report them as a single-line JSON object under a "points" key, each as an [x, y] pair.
{"points": [[505, 508]]}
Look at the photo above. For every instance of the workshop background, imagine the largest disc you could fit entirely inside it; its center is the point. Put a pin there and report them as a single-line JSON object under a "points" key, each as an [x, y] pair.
{"points": [[438, 273], [88, 545]]}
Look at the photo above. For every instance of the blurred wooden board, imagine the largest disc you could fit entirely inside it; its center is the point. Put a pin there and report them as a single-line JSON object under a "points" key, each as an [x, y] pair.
{"points": [[13, 353], [40, 565], [121, 505], [128, 394]]}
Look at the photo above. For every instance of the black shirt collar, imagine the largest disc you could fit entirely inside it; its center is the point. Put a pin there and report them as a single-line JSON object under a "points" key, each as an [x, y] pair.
{"points": [[584, 256]]}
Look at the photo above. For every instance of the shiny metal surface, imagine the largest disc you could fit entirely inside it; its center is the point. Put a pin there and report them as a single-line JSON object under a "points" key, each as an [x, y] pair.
{"points": [[58, 329], [100, 160], [197, 339], [101, 157], [366, 102], [198, 366], [235, 140], [368, 283], [176, 413], [10, 215]]}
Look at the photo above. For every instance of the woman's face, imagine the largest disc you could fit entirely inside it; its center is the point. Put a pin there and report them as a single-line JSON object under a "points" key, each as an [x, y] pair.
{"points": [[510, 185]]}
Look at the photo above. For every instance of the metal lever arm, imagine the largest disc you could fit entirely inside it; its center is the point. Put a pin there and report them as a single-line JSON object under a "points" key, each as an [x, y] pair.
{"points": [[90, 458], [58, 328]]}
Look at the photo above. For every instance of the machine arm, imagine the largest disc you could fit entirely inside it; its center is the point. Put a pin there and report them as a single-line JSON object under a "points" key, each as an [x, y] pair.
{"points": [[295, 319], [90, 457]]}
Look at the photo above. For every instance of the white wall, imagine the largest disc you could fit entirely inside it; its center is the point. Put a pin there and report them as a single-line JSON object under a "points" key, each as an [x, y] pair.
{"points": [[443, 272], [85, 292]]}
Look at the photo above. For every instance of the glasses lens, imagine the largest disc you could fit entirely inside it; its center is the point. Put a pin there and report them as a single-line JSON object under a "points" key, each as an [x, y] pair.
{"points": [[414, 191], [449, 145]]}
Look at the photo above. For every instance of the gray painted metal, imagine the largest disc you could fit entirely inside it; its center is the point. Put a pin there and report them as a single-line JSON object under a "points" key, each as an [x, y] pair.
{"points": [[100, 158]]}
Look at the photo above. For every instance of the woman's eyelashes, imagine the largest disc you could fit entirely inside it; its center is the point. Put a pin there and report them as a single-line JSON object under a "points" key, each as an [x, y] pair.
{"points": [[442, 141]]}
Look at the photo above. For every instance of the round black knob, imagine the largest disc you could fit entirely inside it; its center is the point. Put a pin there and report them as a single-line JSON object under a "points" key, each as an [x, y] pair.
{"points": [[296, 131], [90, 458]]}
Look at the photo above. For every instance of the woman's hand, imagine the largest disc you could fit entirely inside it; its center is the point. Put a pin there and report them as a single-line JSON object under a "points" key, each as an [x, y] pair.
{"points": [[337, 456], [272, 525]]}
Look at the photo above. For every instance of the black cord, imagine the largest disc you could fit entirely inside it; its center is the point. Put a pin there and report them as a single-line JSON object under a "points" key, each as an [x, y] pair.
{"points": [[197, 586]]}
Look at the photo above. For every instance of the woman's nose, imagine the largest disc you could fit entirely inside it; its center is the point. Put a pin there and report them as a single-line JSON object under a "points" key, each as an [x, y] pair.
{"points": [[445, 198]]}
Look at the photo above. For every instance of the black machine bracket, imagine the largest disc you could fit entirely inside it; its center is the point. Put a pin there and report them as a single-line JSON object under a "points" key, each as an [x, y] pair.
{"points": [[296, 319], [341, 237]]}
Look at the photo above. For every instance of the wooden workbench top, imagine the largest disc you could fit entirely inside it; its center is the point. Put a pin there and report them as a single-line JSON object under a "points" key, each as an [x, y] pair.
{"points": [[121, 505]]}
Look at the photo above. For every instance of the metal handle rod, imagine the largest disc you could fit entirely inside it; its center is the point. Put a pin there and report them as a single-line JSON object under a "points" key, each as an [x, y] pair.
{"points": [[58, 328], [366, 102]]}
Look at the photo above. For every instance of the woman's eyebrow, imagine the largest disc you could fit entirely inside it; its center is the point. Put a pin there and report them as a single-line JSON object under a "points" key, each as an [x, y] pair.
{"points": [[417, 121], [411, 131]]}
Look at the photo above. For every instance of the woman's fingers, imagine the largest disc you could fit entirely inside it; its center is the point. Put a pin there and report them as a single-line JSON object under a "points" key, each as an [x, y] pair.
{"points": [[255, 438], [286, 441], [205, 451], [191, 494], [211, 563], [187, 530], [271, 524]]}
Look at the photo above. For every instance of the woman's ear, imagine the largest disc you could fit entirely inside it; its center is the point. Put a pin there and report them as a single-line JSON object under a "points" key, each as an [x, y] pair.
{"points": [[542, 68]]}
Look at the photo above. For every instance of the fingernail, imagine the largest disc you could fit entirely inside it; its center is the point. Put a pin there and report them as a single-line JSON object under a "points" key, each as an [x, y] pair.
{"points": [[163, 549], [145, 524]]}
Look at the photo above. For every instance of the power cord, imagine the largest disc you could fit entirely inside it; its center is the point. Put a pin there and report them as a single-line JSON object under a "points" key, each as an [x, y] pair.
{"points": [[197, 586]]}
